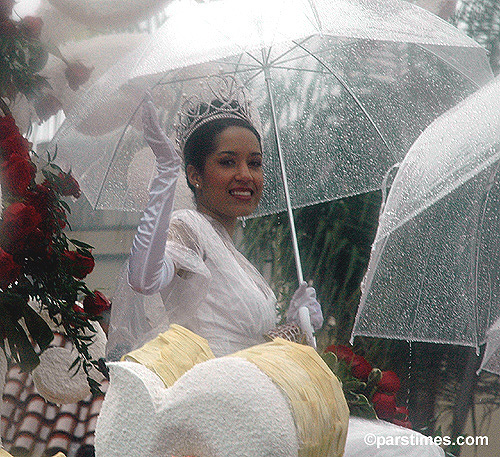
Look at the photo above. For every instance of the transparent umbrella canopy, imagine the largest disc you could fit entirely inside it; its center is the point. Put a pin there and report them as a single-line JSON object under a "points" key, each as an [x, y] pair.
{"points": [[354, 83], [434, 272], [342, 88]]}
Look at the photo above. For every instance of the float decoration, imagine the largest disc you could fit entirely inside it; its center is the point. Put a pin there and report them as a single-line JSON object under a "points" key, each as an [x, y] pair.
{"points": [[369, 392], [42, 271]]}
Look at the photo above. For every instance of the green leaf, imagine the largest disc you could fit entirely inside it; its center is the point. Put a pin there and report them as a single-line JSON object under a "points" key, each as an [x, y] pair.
{"points": [[65, 206], [81, 244], [38, 328], [21, 347]]}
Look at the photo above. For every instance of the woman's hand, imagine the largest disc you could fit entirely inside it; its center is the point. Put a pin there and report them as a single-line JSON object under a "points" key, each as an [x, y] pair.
{"points": [[305, 295], [156, 138]]}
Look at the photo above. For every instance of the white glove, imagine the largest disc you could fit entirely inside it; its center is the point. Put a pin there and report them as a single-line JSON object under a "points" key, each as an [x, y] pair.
{"points": [[305, 296], [149, 270], [156, 138]]}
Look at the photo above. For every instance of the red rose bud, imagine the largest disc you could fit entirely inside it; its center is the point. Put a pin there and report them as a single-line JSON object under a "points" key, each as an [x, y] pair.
{"points": [[9, 270], [342, 352], [32, 26], [15, 143], [77, 74], [68, 186], [405, 424], [80, 265], [19, 220], [96, 304], [384, 405], [389, 382], [402, 413], [17, 174], [47, 106], [360, 368]]}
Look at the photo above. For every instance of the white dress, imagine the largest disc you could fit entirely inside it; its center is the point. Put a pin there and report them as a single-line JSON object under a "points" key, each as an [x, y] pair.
{"points": [[218, 293]]}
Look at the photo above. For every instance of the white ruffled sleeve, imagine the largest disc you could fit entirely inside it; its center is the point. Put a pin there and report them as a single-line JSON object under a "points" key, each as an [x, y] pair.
{"points": [[137, 318]]}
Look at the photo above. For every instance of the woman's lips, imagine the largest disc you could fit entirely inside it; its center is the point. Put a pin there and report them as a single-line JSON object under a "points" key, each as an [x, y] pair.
{"points": [[242, 194]]}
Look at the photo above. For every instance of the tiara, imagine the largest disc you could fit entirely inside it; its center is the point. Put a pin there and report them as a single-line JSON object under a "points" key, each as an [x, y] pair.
{"points": [[221, 98]]}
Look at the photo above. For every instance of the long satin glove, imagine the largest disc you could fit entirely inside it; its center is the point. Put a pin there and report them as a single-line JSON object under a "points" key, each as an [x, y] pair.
{"points": [[149, 269], [305, 296]]}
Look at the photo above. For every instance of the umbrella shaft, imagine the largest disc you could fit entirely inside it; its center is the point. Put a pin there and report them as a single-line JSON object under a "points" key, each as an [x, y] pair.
{"points": [[293, 232]]}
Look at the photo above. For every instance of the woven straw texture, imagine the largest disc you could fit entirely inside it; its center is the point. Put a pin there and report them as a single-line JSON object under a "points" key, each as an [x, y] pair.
{"points": [[172, 353], [318, 404]]}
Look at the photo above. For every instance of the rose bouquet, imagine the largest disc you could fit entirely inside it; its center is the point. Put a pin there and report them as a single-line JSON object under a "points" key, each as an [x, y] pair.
{"points": [[41, 271], [369, 391], [38, 262]]}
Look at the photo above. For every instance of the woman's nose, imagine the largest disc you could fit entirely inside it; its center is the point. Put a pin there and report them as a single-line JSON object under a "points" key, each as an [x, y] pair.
{"points": [[243, 173]]}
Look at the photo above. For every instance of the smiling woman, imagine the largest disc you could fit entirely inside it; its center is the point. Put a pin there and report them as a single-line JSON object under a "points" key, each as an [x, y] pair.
{"points": [[188, 256]]}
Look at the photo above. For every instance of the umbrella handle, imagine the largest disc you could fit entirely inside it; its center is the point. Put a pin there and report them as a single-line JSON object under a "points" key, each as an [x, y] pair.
{"points": [[306, 327]]}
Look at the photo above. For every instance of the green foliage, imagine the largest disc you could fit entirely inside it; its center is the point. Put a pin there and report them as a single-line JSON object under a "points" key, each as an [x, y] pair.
{"points": [[334, 240]]}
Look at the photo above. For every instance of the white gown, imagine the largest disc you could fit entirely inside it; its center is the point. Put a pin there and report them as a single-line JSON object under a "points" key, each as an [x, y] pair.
{"points": [[222, 297], [218, 294]]}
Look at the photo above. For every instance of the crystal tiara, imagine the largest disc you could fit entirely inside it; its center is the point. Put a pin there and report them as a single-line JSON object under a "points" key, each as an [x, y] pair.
{"points": [[221, 98]]}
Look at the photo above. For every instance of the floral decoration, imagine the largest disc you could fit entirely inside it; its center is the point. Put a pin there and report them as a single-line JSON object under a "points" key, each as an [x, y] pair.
{"points": [[42, 271], [369, 391]]}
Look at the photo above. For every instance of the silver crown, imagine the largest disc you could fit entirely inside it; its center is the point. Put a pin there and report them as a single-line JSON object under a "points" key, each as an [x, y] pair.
{"points": [[221, 98]]}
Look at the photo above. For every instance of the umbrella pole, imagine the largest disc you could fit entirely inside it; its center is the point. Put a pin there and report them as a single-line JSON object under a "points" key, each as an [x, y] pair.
{"points": [[305, 319], [298, 263]]}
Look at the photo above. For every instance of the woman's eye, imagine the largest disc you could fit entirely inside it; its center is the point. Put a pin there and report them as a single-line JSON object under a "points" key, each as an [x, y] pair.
{"points": [[227, 162], [256, 163]]}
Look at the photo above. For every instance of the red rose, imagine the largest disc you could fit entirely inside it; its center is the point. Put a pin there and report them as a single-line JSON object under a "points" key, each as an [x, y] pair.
{"points": [[9, 270], [15, 144], [385, 405], [19, 220], [47, 106], [67, 185], [17, 173], [77, 74], [96, 304], [360, 368], [42, 198], [77, 308], [389, 382], [80, 265], [342, 352], [32, 26]]}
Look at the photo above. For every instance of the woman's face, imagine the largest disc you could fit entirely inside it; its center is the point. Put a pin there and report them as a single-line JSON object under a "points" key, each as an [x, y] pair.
{"points": [[231, 184]]}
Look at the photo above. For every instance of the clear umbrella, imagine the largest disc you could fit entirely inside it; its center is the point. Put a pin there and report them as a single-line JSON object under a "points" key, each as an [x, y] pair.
{"points": [[434, 272], [342, 89]]}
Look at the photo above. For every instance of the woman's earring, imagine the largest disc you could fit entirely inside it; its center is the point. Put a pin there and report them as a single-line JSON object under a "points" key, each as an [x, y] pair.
{"points": [[197, 185]]}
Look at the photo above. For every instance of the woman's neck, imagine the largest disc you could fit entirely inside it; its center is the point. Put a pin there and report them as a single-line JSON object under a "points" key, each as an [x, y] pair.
{"points": [[229, 223]]}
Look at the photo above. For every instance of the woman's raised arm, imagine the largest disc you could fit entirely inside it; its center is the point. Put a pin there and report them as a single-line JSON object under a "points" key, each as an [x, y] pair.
{"points": [[149, 269]]}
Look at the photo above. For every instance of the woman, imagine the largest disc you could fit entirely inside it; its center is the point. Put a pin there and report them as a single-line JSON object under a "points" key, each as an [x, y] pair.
{"points": [[188, 256]]}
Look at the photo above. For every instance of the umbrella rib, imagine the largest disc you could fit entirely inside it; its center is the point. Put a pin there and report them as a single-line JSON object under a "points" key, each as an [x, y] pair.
{"points": [[288, 51], [354, 97], [475, 266], [476, 85], [194, 78], [99, 195]]}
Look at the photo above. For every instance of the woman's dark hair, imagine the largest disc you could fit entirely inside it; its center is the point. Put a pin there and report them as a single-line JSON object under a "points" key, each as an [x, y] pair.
{"points": [[202, 142]]}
